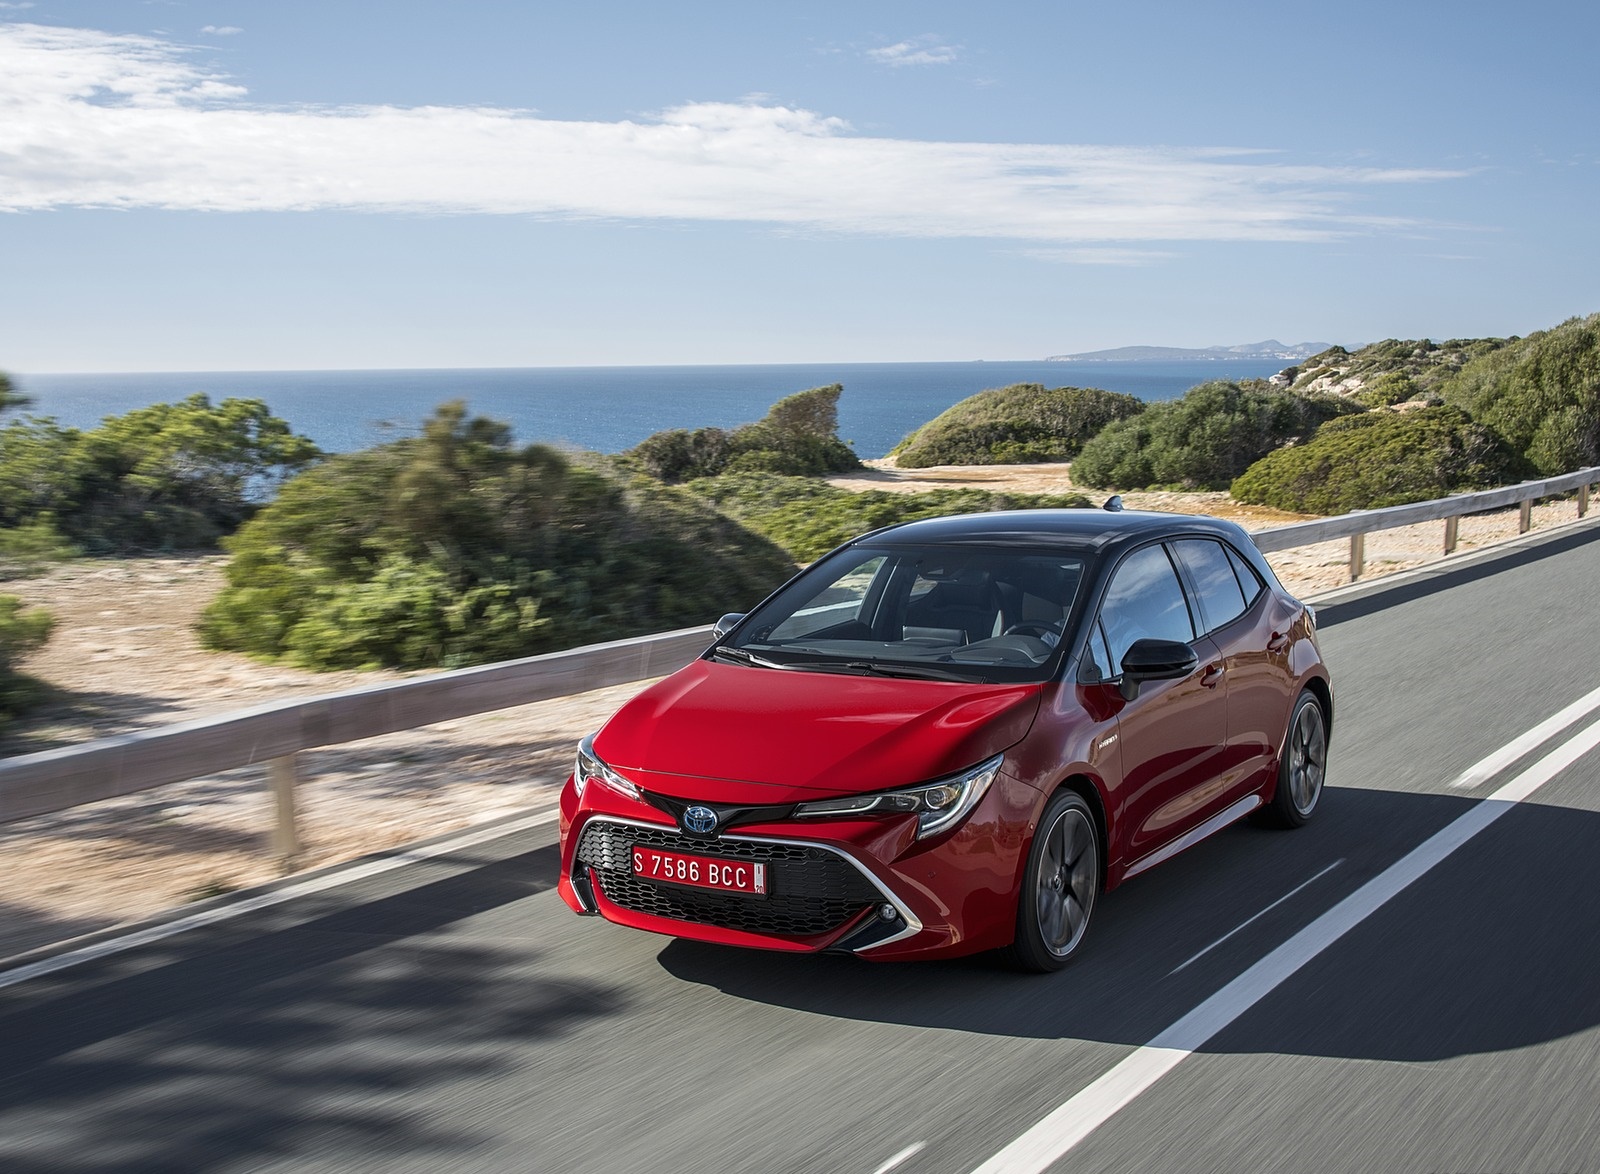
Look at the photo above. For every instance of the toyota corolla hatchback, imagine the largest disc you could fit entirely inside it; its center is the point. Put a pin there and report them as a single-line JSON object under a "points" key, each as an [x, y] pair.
{"points": [[952, 736]]}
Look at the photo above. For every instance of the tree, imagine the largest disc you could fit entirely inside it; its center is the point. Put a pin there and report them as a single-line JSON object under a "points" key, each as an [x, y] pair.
{"points": [[10, 397], [1204, 439]]}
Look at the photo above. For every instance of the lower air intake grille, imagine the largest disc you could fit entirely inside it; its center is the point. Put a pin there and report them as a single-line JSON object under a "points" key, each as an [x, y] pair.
{"points": [[809, 890]]}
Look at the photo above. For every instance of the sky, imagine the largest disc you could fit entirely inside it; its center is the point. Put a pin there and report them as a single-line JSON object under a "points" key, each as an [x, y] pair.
{"points": [[318, 184]]}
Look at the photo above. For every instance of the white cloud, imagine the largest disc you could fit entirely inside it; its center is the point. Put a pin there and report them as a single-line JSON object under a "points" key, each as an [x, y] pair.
{"points": [[1100, 256], [222, 30], [923, 50], [91, 119]]}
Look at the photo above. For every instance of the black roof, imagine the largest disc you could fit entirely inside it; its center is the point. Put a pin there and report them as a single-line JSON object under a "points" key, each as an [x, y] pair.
{"points": [[1095, 528]]}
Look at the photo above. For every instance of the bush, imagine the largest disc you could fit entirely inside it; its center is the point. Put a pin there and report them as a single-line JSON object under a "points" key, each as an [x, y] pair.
{"points": [[1019, 424], [22, 631], [169, 476], [1542, 393], [799, 436], [457, 548], [809, 517], [1381, 459], [29, 550], [1203, 440]]}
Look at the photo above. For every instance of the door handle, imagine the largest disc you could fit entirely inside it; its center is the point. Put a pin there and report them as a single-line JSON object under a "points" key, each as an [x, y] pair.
{"points": [[1212, 677], [1278, 642]]}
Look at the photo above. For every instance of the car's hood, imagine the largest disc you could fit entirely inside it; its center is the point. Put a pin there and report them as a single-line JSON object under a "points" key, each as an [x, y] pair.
{"points": [[732, 734]]}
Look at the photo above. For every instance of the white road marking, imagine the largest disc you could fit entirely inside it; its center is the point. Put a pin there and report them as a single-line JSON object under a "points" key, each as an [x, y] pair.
{"points": [[1080, 1115], [1263, 913], [904, 1155], [332, 880], [1534, 738]]}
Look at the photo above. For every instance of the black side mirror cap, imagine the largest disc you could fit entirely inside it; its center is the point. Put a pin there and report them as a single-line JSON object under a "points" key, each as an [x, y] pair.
{"points": [[1155, 660], [726, 624]]}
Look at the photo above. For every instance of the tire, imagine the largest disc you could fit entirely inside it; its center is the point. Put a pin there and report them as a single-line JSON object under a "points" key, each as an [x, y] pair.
{"points": [[1060, 886], [1302, 767]]}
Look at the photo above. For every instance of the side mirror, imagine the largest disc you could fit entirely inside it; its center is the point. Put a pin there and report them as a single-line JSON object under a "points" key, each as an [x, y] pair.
{"points": [[1155, 660], [726, 624]]}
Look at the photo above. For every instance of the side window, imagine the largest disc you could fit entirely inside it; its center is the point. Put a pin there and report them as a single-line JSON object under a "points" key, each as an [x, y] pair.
{"points": [[1145, 599], [1221, 600], [1249, 580]]}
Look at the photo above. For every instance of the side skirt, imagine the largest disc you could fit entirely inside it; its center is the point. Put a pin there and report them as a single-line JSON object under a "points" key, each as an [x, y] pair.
{"points": [[1193, 836]]}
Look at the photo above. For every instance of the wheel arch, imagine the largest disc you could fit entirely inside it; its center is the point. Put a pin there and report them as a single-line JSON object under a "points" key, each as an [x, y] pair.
{"points": [[1321, 690]]}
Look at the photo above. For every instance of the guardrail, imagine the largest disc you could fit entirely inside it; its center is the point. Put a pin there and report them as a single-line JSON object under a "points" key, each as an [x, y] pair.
{"points": [[1357, 525], [54, 780]]}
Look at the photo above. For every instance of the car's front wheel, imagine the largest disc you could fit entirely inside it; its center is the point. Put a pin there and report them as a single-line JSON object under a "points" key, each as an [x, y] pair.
{"points": [[1059, 887]]}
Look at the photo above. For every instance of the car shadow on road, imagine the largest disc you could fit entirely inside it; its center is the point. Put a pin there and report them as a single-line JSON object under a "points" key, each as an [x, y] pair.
{"points": [[1492, 950], [274, 1035], [1430, 581]]}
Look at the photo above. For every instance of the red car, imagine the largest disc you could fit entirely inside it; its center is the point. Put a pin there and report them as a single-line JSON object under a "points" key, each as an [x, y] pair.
{"points": [[953, 735]]}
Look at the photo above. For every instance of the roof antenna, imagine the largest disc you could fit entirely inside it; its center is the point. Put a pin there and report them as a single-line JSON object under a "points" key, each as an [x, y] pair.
{"points": [[1113, 503]]}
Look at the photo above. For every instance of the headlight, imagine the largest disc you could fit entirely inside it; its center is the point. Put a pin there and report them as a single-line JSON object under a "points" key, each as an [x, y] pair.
{"points": [[939, 806], [590, 768]]}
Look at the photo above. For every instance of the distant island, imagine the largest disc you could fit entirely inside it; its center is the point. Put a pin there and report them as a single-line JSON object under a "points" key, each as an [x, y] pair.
{"points": [[1271, 349]]}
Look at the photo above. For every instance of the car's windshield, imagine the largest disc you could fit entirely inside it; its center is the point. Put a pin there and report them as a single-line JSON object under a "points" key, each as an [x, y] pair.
{"points": [[938, 612]]}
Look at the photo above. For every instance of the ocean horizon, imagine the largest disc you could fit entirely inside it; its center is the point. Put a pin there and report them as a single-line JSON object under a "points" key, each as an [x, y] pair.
{"points": [[608, 409]]}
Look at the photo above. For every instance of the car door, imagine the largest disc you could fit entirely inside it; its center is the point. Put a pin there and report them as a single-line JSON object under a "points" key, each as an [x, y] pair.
{"points": [[1173, 735], [1252, 632]]}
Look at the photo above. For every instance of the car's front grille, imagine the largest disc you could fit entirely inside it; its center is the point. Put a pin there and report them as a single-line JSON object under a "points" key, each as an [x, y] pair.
{"points": [[809, 890]]}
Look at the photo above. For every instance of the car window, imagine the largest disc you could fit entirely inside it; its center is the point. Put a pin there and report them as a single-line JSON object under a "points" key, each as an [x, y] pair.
{"points": [[836, 604], [1221, 599], [937, 612], [1144, 600], [1249, 579], [1096, 657]]}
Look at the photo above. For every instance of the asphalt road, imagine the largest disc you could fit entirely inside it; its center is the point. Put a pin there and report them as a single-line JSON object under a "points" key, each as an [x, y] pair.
{"points": [[452, 1015]]}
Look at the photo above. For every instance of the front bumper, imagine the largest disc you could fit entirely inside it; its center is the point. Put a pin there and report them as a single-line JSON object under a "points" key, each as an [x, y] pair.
{"points": [[863, 885]]}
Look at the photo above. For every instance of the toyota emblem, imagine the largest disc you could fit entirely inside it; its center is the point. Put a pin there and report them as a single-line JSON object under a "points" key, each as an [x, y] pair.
{"points": [[699, 820]]}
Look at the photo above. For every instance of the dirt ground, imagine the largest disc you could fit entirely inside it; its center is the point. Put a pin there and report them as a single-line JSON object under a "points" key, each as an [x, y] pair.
{"points": [[125, 657]]}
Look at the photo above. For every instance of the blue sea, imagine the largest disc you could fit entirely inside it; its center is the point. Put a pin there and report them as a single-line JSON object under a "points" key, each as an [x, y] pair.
{"points": [[608, 409]]}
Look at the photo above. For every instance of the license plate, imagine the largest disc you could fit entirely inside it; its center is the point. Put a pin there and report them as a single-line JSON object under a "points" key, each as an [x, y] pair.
{"points": [[701, 872]]}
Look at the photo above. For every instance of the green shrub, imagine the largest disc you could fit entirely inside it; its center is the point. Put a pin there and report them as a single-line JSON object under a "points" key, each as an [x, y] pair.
{"points": [[1381, 459], [1542, 393], [10, 397], [1203, 440], [809, 517], [799, 436], [458, 548], [30, 549], [168, 476], [1394, 388], [22, 631], [1019, 424]]}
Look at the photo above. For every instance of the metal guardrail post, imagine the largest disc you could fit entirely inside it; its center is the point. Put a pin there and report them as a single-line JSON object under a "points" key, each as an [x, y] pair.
{"points": [[1452, 531], [1583, 500], [1358, 555], [282, 777], [1525, 522]]}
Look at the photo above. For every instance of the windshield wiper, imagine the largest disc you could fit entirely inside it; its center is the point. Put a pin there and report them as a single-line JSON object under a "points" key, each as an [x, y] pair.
{"points": [[745, 657], [914, 672]]}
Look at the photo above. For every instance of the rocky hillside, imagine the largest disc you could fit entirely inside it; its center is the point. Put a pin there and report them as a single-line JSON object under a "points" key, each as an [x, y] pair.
{"points": [[1386, 372]]}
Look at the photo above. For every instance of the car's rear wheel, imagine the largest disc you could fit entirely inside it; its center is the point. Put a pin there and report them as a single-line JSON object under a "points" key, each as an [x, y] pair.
{"points": [[1303, 766], [1059, 888]]}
